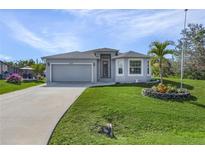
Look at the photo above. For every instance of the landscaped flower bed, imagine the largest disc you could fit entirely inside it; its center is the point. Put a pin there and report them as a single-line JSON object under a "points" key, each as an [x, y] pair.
{"points": [[166, 92]]}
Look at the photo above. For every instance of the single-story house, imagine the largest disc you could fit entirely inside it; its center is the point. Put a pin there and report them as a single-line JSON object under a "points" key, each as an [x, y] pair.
{"points": [[6, 69], [3, 67], [98, 65], [27, 73]]}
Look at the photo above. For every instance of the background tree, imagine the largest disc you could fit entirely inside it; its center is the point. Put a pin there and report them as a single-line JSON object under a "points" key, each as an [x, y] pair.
{"points": [[158, 51], [167, 68], [23, 63], [194, 44], [39, 68]]}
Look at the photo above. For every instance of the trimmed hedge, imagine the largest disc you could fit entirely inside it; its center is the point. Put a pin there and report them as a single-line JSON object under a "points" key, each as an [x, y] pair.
{"points": [[173, 96]]}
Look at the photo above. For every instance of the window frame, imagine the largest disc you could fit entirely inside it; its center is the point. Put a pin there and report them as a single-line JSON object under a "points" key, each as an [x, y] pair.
{"points": [[149, 74], [142, 70], [117, 67]]}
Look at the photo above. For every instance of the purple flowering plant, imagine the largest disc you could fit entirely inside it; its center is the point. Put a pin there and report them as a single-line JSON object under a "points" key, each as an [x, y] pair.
{"points": [[14, 78]]}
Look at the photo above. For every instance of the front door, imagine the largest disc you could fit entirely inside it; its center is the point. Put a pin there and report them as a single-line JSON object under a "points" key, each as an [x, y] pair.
{"points": [[105, 69], [105, 65]]}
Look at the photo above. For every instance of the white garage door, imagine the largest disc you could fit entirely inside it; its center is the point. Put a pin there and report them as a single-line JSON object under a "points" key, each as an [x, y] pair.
{"points": [[71, 73]]}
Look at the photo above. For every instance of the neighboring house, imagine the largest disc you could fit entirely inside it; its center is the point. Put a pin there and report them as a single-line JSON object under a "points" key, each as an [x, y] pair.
{"points": [[98, 65], [27, 73], [3, 67], [6, 69]]}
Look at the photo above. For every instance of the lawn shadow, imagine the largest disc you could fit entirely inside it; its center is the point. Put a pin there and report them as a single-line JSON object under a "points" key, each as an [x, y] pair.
{"points": [[148, 85], [143, 85], [33, 81], [197, 104], [188, 100], [177, 84]]}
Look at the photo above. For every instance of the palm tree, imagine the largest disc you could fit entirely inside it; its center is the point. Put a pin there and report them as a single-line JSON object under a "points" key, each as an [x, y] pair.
{"points": [[159, 50]]}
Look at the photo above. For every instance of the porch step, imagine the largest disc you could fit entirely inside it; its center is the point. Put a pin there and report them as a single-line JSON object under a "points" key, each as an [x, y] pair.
{"points": [[105, 80]]}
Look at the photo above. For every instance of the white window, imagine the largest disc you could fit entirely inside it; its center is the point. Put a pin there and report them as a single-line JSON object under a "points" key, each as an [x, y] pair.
{"points": [[120, 67], [135, 67], [148, 67]]}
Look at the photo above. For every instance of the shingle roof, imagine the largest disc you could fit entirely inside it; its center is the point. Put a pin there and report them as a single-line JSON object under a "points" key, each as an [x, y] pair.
{"points": [[26, 68], [90, 54], [131, 54], [72, 55], [103, 49], [3, 62]]}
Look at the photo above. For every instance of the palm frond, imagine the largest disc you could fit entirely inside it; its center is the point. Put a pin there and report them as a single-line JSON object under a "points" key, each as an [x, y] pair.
{"points": [[168, 51], [154, 51], [154, 60]]}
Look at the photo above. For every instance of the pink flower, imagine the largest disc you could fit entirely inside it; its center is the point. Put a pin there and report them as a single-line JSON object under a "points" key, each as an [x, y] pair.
{"points": [[14, 78]]}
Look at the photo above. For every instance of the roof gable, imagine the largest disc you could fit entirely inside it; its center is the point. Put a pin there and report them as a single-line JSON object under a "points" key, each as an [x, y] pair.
{"points": [[72, 55], [131, 54], [103, 49]]}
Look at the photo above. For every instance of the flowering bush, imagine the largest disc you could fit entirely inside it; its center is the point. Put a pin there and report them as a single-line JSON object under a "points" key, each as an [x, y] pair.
{"points": [[14, 78], [160, 88], [165, 89]]}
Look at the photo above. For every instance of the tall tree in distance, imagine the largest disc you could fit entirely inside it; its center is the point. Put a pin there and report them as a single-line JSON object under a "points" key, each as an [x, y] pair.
{"points": [[158, 50], [39, 68], [194, 41]]}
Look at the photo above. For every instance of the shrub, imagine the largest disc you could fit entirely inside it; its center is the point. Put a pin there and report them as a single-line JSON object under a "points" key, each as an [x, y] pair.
{"points": [[182, 91], [160, 88], [39, 77], [154, 88], [171, 89], [14, 78]]}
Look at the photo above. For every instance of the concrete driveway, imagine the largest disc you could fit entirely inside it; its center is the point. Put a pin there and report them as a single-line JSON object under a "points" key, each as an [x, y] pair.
{"points": [[29, 116]]}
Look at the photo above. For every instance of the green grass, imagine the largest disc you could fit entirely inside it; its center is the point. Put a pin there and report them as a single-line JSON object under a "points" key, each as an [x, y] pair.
{"points": [[9, 87], [136, 119]]}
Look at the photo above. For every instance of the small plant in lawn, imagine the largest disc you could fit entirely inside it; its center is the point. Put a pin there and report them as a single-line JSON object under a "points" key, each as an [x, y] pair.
{"points": [[14, 78]]}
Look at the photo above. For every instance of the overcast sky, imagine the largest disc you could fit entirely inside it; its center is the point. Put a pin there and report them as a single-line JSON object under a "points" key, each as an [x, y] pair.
{"points": [[26, 34]]}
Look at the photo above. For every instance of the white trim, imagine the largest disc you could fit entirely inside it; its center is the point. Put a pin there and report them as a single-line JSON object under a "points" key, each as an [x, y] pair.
{"points": [[142, 67], [123, 67], [50, 72], [149, 68], [92, 78]]}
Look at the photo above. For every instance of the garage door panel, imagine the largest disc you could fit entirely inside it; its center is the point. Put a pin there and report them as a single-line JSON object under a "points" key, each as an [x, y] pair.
{"points": [[71, 72]]}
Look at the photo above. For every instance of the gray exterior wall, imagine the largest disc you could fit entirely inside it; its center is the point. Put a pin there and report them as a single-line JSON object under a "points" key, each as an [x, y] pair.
{"points": [[126, 78], [50, 61], [113, 70]]}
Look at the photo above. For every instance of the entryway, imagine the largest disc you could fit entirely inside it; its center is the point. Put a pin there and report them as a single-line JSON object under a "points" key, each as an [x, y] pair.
{"points": [[105, 66]]}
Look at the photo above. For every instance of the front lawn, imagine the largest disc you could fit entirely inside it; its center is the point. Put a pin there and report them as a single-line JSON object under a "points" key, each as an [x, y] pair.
{"points": [[9, 87], [136, 119]]}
